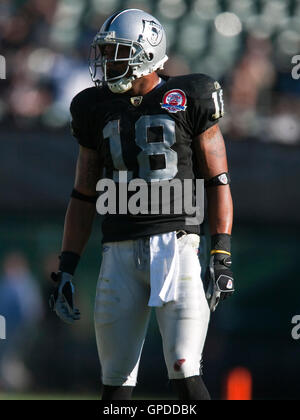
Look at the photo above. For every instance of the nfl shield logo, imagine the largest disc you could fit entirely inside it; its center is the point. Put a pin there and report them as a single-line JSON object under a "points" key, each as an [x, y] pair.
{"points": [[136, 100]]}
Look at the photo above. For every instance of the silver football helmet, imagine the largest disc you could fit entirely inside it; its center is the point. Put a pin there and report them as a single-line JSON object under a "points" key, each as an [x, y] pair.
{"points": [[146, 41]]}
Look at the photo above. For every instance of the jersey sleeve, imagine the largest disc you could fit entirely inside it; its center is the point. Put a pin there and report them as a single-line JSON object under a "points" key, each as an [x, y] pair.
{"points": [[82, 126], [207, 103]]}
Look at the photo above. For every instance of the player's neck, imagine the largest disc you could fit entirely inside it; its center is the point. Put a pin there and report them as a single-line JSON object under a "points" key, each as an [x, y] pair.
{"points": [[144, 85]]}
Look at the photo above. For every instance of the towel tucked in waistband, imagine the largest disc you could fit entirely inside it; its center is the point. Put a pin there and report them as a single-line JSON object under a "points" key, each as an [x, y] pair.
{"points": [[164, 268]]}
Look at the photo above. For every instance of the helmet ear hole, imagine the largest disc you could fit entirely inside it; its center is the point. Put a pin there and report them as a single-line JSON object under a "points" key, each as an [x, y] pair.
{"points": [[150, 56]]}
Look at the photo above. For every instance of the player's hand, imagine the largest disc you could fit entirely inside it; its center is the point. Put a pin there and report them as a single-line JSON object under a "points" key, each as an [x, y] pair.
{"points": [[62, 300], [219, 279]]}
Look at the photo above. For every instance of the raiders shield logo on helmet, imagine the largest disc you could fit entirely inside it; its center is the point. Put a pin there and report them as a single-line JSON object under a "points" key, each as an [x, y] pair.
{"points": [[152, 32]]}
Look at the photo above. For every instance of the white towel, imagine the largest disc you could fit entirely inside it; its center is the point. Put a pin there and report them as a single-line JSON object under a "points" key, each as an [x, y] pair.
{"points": [[164, 268]]}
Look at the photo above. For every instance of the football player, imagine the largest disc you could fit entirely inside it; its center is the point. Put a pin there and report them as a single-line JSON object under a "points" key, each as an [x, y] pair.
{"points": [[154, 128]]}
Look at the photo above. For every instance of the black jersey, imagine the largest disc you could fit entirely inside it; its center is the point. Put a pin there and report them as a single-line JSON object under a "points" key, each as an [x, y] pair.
{"points": [[149, 138]]}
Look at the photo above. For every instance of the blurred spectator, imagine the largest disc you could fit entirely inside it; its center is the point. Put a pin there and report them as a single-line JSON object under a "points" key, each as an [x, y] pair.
{"points": [[21, 305], [18, 280], [253, 75]]}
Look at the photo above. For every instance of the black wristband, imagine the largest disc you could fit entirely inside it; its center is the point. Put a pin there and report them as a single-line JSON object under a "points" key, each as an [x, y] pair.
{"points": [[221, 179], [84, 197], [221, 241], [68, 262]]}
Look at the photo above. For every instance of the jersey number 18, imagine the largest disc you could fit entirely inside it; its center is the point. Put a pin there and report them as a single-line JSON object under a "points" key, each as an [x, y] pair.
{"points": [[154, 134]]}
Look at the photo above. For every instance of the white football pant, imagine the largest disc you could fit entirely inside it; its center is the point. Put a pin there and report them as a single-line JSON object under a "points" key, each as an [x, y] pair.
{"points": [[122, 313]]}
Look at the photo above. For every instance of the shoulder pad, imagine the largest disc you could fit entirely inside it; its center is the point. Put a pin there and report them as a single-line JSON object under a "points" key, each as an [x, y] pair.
{"points": [[85, 100], [196, 86], [82, 108]]}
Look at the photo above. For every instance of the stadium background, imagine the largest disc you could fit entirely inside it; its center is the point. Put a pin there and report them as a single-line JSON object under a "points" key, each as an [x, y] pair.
{"points": [[248, 46]]}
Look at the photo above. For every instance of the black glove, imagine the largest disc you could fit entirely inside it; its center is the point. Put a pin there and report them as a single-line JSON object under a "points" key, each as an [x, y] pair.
{"points": [[62, 300], [218, 279]]}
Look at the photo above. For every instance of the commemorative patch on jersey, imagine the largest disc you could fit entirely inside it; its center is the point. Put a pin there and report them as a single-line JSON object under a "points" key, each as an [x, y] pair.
{"points": [[174, 100]]}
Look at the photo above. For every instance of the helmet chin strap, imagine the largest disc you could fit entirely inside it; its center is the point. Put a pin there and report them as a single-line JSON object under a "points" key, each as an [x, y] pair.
{"points": [[121, 86]]}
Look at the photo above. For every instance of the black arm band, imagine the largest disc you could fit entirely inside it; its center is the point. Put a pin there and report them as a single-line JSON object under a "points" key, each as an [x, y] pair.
{"points": [[221, 242], [221, 179], [83, 197], [68, 262]]}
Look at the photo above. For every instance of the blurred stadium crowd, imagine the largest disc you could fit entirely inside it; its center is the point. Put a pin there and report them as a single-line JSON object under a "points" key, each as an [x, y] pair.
{"points": [[248, 46], [245, 44]]}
